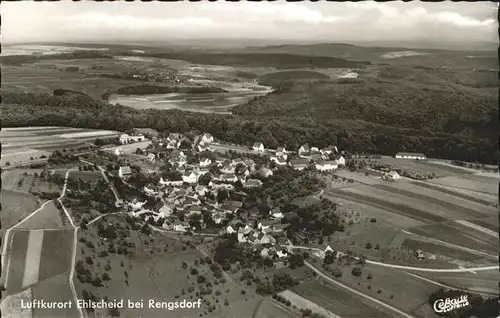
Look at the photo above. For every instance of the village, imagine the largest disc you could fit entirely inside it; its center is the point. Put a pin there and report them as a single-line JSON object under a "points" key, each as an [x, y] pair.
{"points": [[202, 194]]}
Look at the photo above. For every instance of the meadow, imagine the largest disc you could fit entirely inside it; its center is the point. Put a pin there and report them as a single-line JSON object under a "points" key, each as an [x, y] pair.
{"points": [[16, 206], [48, 217], [54, 289], [25, 144], [336, 300]]}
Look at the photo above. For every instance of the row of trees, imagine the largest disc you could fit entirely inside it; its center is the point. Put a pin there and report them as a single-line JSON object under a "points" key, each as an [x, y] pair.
{"points": [[351, 135]]}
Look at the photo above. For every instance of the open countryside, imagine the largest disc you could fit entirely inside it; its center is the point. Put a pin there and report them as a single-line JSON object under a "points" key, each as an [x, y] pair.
{"points": [[316, 172]]}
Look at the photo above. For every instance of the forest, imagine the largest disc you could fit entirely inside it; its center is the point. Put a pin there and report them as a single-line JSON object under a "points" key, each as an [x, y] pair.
{"points": [[356, 135]]}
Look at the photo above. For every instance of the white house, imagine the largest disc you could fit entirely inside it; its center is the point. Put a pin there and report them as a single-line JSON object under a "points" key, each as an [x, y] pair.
{"points": [[179, 227], [314, 149], [126, 138], [230, 230], [258, 146], [328, 249], [190, 177], [151, 157], [340, 160], [117, 152], [304, 149], [207, 138], [393, 175], [124, 171], [325, 165], [205, 162], [411, 155], [276, 213]]}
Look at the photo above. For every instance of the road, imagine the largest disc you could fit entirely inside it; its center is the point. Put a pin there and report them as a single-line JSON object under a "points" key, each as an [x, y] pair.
{"points": [[410, 268], [325, 277], [103, 172]]}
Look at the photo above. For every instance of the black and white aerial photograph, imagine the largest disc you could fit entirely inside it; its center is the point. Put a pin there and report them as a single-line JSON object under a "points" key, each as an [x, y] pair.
{"points": [[249, 159]]}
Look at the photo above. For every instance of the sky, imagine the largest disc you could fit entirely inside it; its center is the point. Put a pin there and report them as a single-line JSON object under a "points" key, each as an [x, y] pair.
{"points": [[67, 21]]}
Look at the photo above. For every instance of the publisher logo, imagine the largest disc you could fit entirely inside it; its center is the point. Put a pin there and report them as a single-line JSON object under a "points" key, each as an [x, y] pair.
{"points": [[449, 304]]}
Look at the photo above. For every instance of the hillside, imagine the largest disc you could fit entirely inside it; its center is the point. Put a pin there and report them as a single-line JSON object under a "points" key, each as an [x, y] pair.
{"points": [[352, 134], [430, 57]]}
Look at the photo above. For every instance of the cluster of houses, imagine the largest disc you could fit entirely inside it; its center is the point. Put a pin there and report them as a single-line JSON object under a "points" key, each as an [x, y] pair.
{"points": [[328, 159], [127, 139], [185, 199]]}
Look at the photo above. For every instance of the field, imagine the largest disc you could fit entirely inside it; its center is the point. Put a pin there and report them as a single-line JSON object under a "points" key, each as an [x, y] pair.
{"points": [[269, 309], [35, 256], [460, 235], [475, 183], [408, 292], [16, 261], [11, 304], [336, 300], [206, 103], [452, 226], [16, 206], [54, 289], [23, 145], [423, 166], [49, 217], [27, 181], [46, 77], [483, 282], [303, 303]]}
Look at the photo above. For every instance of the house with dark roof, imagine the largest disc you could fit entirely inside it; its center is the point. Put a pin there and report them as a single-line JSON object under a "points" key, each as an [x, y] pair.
{"points": [[299, 164]]}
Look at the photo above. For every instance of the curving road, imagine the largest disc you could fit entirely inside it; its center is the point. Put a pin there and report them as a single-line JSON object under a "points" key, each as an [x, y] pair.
{"points": [[325, 277], [410, 268]]}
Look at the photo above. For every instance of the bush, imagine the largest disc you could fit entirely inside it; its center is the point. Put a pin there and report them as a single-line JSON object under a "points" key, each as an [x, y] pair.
{"points": [[369, 276], [356, 271]]}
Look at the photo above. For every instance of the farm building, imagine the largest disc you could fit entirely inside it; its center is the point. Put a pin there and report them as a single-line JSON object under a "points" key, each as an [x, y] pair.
{"points": [[124, 171], [410, 155], [258, 146], [326, 165], [391, 176], [126, 138]]}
